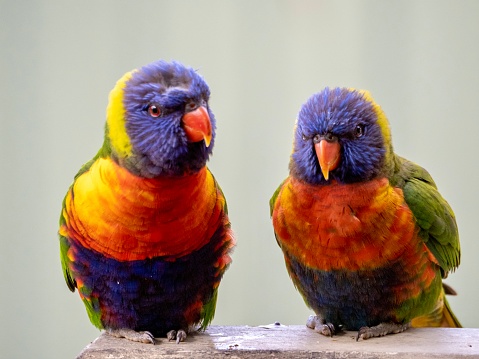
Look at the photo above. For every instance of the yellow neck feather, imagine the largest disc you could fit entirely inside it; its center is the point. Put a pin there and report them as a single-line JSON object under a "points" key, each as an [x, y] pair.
{"points": [[115, 118]]}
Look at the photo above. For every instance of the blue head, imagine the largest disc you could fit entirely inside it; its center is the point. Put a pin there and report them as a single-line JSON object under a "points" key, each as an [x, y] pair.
{"points": [[159, 121], [341, 134]]}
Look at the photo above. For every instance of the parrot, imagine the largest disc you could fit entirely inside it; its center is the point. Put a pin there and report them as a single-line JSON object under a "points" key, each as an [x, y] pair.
{"points": [[144, 231], [366, 236]]}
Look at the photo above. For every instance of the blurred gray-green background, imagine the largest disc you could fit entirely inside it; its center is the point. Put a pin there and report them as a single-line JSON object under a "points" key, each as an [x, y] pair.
{"points": [[262, 60]]}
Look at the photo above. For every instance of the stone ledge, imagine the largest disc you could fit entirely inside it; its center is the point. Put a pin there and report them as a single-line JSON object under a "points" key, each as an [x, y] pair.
{"points": [[294, 341]]}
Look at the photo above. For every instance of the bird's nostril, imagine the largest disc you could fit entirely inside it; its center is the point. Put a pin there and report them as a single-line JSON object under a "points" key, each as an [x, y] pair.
{"points": [[330, 137]]}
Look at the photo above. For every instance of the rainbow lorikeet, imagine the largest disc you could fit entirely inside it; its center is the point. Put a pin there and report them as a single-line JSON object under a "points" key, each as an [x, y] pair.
{"points": [[366, 236], [144, 231]]}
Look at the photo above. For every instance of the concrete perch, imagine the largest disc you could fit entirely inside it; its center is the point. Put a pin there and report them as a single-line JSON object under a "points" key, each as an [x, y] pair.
{"points": [[294, 341]]}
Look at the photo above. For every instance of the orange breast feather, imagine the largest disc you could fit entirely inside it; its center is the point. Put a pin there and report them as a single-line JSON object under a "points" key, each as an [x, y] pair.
{"points": [[126, 217], [354, 226]]}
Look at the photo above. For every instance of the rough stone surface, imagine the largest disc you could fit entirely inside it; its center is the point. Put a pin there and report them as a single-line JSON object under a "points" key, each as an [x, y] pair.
{"points": [[295, 341]]}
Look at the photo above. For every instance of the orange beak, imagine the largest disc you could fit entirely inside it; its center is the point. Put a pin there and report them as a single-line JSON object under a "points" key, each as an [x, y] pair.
{"points": [[328, 154], [197, 125]]}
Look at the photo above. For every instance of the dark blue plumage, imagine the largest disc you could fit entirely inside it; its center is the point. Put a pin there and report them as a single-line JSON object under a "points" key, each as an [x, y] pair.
{"points": [[341, 301], [154, 294]]}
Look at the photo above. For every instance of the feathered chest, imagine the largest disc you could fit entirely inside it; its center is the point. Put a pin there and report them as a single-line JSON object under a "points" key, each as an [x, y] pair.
{"points": [[354, 226], [126, 217]]}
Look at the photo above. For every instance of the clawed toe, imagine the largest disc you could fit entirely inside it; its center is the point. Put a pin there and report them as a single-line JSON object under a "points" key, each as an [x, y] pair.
{"points": [[363, 333], [318, 325], [141, 337], [148, 337], [171, 335], [328, 329], [179, 335], [380, 330]]}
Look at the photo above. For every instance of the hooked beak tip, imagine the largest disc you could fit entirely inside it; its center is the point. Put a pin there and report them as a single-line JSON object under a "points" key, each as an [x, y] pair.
{"points": [[328, 154], [325, 172], [197, 126], [207, 140]]}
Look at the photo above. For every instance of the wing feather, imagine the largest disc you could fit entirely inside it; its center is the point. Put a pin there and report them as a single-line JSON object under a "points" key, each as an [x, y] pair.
{"points": [[434, 217]]}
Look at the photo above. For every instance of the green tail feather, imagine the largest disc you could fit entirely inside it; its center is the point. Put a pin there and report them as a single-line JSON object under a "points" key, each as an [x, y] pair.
{"points": [[449, 316], [208, 311]]}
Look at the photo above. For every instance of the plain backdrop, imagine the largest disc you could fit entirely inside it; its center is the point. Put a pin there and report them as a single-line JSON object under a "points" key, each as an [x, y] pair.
{"points": [[262, 60]]}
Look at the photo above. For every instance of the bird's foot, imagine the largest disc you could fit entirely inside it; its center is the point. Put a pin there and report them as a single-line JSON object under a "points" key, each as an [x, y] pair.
{"points": [[130, 334], [381, 330], [179, 335], [319, 325]]}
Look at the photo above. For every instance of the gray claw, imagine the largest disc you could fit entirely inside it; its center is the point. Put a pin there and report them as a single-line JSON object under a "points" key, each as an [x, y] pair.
{"points": [[361, 333], [380, 330], [141, 337], [330, 329], [318, 325], [171, 335], [152, 337], [180, 336]]}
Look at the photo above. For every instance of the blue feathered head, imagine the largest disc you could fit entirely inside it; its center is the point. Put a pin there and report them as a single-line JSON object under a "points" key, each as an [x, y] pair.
{"points": [[159, 121], [341, 135]]}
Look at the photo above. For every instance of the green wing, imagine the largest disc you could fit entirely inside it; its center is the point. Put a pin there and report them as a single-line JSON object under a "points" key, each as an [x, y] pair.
{"points": [[104, 151], [64, 246], [209, 308], [433, 214], [225, 208], [272, 201]]}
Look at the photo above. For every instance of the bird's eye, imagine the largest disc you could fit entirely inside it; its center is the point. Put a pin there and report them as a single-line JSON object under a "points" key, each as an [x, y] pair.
{"points": [[359, 130], [190, 106], [154, 110], [305, 138]]}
